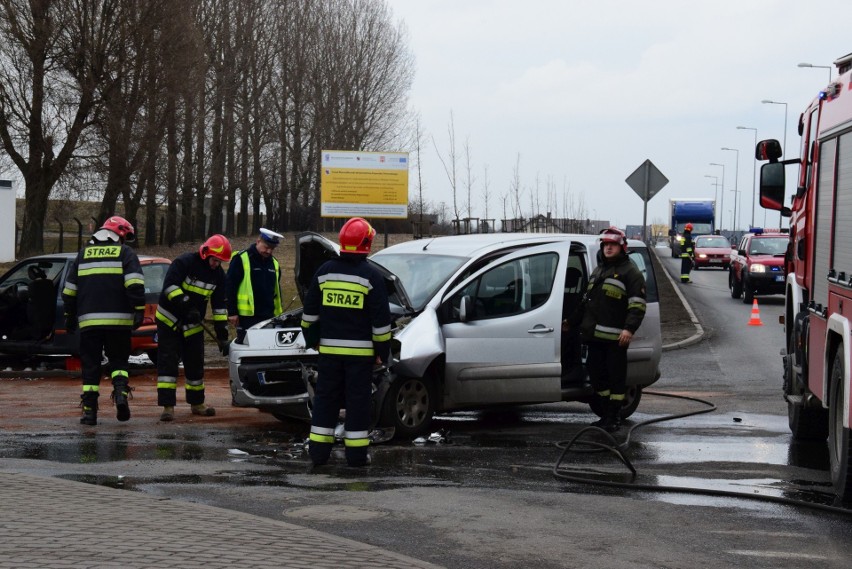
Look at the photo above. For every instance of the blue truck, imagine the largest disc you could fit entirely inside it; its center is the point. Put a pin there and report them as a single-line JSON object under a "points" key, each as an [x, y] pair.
{"points": [[700, 213]]}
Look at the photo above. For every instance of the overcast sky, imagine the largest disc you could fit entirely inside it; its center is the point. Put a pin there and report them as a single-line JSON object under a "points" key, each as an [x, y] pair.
{"points": [[584, 92]]}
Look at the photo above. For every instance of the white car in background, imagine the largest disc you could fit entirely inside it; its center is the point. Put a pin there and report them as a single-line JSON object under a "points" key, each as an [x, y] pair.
{"points": [[477, 324]]}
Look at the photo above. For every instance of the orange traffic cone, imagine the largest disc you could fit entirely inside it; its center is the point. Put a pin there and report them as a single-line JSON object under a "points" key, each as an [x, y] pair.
{"points": [[755, 315]]}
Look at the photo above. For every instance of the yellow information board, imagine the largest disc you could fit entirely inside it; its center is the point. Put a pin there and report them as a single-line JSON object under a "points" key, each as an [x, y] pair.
{"points": [[365, 184]]}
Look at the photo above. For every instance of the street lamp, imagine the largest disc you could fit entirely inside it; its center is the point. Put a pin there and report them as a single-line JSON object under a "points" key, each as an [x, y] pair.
{"points": [[753, 171], [818, 66], [736, 189], [783, 148], [722, 205], [716, 192]]}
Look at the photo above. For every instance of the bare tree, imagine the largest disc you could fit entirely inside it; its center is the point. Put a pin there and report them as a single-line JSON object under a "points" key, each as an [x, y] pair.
{"points": [[450, 164], [54, 56]]}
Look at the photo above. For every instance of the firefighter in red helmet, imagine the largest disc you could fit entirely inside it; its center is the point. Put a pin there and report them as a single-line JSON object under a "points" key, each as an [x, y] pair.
{"points": [[347, 318], [611, 312], [192, 280], [104, 297], [687, 252]]}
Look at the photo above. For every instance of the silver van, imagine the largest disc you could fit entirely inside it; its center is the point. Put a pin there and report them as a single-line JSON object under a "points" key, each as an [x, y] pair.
{"points": [[477, 324]]}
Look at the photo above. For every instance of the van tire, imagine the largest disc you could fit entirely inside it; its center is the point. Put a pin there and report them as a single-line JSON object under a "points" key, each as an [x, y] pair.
{"points": [[735, 286], [839, 437], [409, 406]]}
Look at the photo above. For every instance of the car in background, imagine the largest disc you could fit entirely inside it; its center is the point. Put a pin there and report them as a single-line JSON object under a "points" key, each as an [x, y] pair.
{"points": [[757, 267], [32, 320], [477, 323], [711, 251]]}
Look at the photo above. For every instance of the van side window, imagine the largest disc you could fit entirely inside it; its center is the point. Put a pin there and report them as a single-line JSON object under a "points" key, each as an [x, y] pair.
{"points": [[511, 288]]}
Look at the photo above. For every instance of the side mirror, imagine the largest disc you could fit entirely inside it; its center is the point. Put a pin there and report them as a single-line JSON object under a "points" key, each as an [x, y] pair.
{"points": [[768, 150], [672, 233], [772, 183], [465, 308]]}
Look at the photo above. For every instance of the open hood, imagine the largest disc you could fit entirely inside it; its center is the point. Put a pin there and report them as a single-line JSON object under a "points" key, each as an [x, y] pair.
{"points": [[312, 250]]}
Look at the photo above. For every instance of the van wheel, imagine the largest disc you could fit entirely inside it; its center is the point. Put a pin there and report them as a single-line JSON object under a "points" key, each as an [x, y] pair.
{"points": [[735, 286], [409, 406], [631, 402], [839, 439]]}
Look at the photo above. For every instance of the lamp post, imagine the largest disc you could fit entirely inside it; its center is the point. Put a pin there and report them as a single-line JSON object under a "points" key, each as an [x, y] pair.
{"points": [[722, 205], [736, 188], [715, 193], [753, 171], [783, 148], [818, 66]]}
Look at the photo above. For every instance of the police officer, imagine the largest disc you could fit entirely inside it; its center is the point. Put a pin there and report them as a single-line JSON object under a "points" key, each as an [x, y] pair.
{"points": [[346, 314], [687, 246], [192, 280], [254, 292], [614, 307], [104, 296]]}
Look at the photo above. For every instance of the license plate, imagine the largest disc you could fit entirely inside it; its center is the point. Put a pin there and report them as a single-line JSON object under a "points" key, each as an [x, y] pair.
{"points": [[715, 260], [779, 278]]}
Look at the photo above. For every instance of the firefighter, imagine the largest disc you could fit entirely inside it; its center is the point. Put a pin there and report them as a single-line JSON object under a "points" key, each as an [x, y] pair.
{"points": [[347, 317], [687, 246], [104, 297], [254, 293], [192, 280], [612, 311]]}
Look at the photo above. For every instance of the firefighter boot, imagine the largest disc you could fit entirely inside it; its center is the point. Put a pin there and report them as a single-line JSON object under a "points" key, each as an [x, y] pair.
{"points": [[203, 410], [612, 421], [89, 403], [168, 413], [120, 392]]}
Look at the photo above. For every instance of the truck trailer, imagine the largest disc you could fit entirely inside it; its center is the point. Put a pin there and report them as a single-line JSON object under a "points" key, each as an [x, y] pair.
{"points": [[700, 213]]}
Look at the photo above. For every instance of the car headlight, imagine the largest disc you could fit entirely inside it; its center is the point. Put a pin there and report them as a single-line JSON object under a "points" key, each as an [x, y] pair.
{"points": [[757, 268], [702, 255]]}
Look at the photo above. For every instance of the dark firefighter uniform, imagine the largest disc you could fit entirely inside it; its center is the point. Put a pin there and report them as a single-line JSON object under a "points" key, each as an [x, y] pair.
{"points": [[104, 295], [253, 290], [189, 284], [687, 246], [615, 302], [346, 309]]}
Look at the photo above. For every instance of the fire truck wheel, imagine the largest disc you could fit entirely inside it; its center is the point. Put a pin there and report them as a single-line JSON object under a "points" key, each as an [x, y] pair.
{"points": [[735, 286], [839, 440]]}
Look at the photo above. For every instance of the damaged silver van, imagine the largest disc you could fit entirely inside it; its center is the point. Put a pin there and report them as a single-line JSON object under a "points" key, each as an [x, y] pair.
{"points": [[477, 324]]}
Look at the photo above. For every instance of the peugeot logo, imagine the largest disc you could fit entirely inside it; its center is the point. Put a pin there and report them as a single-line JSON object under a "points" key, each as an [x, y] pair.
{"points": [[286, 338]]}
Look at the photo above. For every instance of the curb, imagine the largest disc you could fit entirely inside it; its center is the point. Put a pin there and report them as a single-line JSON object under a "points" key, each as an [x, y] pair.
{"points": [[699, 330]]}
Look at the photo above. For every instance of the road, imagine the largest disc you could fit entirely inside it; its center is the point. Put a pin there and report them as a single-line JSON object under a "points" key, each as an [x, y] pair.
{"points": [[486, 495]]}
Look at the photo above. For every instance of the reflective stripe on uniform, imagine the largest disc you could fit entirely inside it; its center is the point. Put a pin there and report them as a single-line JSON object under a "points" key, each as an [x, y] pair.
{"points": [[607, 332], [105, 319], [166, 382], [382, 334], [322, 434], [198, 287], [194, 385], [357, 439], [346, 347], [87, 388]]}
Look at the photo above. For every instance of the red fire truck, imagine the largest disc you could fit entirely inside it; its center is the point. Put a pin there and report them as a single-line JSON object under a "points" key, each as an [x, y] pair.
{"points": [[818, 265]]}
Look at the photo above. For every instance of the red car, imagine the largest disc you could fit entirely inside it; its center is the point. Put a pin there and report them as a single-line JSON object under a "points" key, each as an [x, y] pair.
{"points": [[29, 327], [712, 251], [758, 266]]}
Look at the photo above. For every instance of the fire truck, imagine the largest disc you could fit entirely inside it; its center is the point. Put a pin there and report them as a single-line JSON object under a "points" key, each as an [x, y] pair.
{"points": [[818, 272]]}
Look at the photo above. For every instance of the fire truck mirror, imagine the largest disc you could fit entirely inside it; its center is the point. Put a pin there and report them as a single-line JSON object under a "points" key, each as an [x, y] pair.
{"points": [[768, 150], [772, 185]]}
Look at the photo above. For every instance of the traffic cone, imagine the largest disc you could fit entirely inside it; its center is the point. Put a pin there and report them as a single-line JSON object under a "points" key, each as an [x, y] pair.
{"points": [[755, 315]]}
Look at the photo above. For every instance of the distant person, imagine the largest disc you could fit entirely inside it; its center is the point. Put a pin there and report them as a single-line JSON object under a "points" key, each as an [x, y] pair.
{"points": [[104, 296], [612, 311], [253, 284], [347, 318], [192, 280], [687, 250]]}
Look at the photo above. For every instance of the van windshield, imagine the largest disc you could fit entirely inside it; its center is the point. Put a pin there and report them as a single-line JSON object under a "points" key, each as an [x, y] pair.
{"points": [[421, 275]]}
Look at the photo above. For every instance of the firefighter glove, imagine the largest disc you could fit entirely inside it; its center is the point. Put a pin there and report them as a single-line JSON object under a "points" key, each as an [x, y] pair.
{"points": [[138, 316], [222, 333], [70, 322], [193, 317], [225, 347]]}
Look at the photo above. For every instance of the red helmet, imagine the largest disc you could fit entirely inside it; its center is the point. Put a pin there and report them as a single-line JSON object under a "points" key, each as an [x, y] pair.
{"points": [[614, 235], [121, 227], [216, 246], [356, 236], [687, 227]]}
